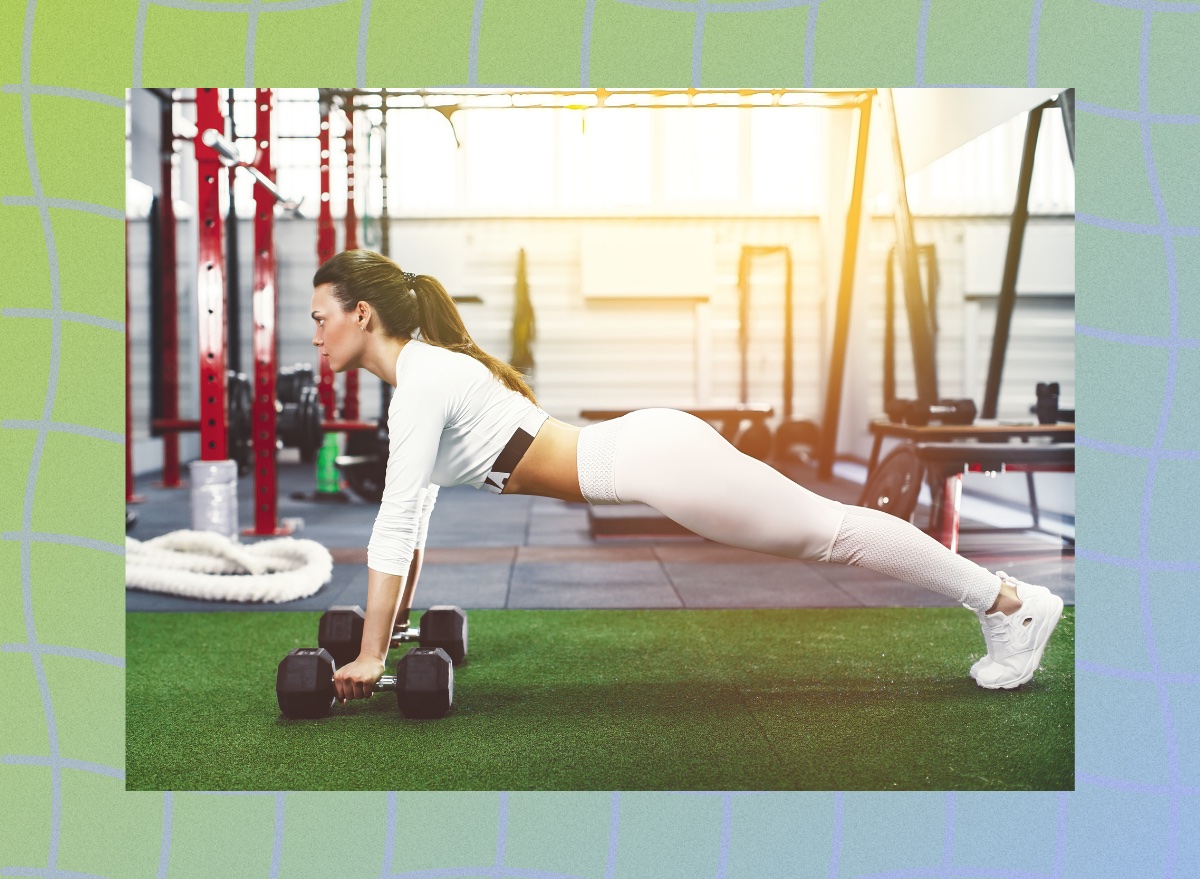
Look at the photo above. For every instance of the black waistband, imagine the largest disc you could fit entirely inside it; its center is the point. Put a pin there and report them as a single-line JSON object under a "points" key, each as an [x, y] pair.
{"points": [[508, 459]]}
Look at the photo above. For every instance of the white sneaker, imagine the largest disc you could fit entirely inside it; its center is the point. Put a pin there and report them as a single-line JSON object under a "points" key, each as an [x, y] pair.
{"points": [[1016, 641], [987, 656], [978, 664]]}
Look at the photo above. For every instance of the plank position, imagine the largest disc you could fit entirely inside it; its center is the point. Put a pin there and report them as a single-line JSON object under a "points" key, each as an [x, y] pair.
{"points": [[460, 416]]}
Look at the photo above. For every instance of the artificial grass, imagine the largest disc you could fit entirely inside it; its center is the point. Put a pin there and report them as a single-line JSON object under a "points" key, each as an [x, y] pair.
{"points": [[837, 699]]}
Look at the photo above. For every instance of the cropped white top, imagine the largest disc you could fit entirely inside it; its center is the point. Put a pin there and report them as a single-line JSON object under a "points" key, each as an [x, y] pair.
{"points": [[449, 419]]}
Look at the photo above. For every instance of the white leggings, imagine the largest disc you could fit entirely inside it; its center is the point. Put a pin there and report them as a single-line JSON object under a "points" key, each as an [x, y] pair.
{"points": [[678, 464]]}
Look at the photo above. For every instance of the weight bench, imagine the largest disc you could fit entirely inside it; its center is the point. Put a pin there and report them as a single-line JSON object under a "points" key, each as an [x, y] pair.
{"points": [[945, 464]]}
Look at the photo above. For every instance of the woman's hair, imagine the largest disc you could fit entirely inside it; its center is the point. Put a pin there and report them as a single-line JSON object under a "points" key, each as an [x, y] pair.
{"points": [[404, 302]]}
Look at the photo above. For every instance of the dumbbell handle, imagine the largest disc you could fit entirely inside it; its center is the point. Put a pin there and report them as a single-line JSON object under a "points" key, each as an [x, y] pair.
{"points": [[385, 684], [406, 635]]}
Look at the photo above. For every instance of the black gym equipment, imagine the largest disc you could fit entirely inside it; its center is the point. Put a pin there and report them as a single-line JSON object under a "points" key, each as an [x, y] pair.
{"points": [[1016, 237], [443, 626], [921, 311], [423, 684], [757, 440], [1046, 409], [919, 414], [363, 463], [298, 424], [895, 485], [239, 420]]}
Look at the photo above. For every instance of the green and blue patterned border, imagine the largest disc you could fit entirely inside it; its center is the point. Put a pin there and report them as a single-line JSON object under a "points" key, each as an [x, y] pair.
{"points": [[64, 67]]}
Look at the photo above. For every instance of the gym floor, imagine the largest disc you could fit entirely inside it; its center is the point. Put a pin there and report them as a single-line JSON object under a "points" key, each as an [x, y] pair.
{"points": [[741, 671], [488, 551]]}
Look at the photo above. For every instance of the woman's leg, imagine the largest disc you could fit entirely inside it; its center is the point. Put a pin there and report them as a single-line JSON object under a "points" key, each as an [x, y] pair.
{"points": [[682, 467]]}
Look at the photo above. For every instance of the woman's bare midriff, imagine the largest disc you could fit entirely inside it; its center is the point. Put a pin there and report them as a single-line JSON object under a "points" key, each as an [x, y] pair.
{"points": [[549, 467]]}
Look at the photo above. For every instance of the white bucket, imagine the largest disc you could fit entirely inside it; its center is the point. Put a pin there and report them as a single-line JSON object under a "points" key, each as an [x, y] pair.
{"points": [[214, 497]]}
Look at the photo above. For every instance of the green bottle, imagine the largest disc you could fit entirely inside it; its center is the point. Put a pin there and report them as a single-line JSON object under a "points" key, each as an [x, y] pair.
{"points": [[327, 474]]}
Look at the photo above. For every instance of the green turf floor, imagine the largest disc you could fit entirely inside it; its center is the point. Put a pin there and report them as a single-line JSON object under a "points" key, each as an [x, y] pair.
{"points": [[612, 700]]}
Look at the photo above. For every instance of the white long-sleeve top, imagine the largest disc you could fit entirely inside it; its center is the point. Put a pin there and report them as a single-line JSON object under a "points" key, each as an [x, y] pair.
{"points": [[448, 420]]}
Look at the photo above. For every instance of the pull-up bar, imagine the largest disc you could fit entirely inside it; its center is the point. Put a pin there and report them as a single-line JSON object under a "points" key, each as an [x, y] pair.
{"points": [[230, 158]]}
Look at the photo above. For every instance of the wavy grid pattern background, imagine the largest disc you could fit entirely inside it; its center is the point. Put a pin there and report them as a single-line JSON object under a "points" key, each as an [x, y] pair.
{"points": [[63, 70]]}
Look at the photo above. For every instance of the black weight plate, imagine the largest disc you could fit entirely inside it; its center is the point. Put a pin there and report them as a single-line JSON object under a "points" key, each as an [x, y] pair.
{"points": [[755, 441], [340, 632], [424, 684], [797, 433], [310, 433], [445, 626], [895, 485], [365, 479], [304, 683], [239, 419]]}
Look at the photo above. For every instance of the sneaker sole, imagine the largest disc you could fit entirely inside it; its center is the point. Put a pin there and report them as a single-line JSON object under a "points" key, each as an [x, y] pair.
{"points": [[1038, 648]]}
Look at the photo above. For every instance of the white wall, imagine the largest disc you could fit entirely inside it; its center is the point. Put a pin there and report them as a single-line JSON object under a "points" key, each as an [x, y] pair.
{"points": [[595, 353]]}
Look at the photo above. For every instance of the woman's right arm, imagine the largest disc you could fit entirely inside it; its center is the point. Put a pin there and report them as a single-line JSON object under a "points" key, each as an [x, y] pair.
{"points": [[416, 418], [356, 680]]}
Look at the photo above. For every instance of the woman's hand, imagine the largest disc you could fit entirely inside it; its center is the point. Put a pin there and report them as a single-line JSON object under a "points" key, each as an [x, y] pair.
{"points": [[357, 680]]}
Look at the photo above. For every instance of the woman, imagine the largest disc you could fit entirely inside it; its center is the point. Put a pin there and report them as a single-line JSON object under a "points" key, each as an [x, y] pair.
{"points": [[459, 416]]}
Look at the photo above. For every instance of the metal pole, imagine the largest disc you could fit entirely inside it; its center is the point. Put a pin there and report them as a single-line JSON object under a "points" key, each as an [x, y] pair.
{"points": [[350, 406], [1012, 261], [168, 361], [920, 328], [325, 248], [266, 314], [1066, 103], [743, 324], [130, 496], [233, 326], [788, 340], [210, 285], [889, 330], [384, 218], [385, 222], [837, 366]]}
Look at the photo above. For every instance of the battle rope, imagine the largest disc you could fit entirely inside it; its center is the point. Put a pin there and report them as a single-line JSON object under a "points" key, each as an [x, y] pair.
{"points": [[203, 564]]}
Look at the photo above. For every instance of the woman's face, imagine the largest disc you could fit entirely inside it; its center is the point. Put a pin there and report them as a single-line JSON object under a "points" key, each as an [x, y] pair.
{"points": [[337, 336]]}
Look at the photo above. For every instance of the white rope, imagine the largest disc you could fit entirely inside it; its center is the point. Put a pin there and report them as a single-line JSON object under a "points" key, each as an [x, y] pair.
{"points": [[203, 564]]}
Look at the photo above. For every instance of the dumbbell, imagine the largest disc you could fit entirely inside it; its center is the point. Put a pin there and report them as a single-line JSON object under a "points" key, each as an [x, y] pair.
{"points": [[918, 413], [423, 683], [1047, 403], [341, 629]]}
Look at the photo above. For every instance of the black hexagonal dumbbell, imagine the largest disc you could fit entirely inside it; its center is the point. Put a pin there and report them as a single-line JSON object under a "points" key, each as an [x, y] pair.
{"points": [[445, 626], [423, 683]]}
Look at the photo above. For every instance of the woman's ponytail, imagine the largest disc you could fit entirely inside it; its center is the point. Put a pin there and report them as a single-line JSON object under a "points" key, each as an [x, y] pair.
{"points": [[442, 325]]}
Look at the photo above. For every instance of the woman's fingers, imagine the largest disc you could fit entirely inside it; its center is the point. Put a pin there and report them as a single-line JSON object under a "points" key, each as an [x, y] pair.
{"points": [[350, 683], [339, 686]]}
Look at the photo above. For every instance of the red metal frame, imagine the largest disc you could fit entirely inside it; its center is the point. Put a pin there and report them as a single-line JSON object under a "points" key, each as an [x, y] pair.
{"points": [[951, 502], [210, 284], [130, 497], [948, 524], [347, 426], [266, 313], [169, 403], [325, 248], [350, 406]]}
